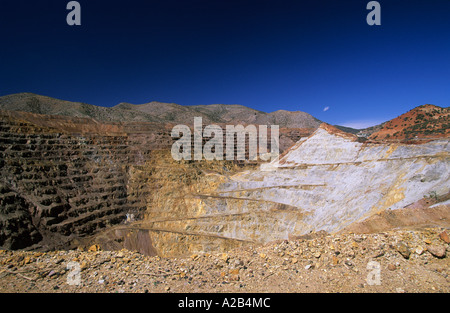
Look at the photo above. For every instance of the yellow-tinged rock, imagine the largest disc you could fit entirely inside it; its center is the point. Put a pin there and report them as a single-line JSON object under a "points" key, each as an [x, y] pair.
{"points": [[224, 257], [335, 260], [234, 271], [84, 265], [120, 254], [94, 248], [194, 257], [444, 237]]}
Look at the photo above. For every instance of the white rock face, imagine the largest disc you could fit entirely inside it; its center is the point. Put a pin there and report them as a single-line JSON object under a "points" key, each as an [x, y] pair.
{"points": [[328, 181], [324, 182]]}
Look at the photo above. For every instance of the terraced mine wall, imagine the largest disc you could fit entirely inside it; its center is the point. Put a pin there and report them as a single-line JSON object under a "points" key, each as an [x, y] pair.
{"points": [[71, 182], [66, 181], [57, 185]]}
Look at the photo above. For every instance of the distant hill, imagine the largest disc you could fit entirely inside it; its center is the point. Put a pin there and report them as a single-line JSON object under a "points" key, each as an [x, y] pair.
{"points": [[29, 102], [426, 121], [422, 122], [348, 129], [157, 112]]}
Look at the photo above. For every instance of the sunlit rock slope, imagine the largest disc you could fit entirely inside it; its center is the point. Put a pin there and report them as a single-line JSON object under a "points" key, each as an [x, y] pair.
{"points": [[326, 181]]}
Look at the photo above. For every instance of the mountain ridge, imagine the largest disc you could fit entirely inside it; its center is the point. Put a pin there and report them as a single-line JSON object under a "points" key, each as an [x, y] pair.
{"points": [[156, 111], [425, 121]]}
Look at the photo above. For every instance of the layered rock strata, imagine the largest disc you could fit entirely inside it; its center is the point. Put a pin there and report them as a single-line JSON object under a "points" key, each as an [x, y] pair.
{"points": [[68, 182], [57, 185]]}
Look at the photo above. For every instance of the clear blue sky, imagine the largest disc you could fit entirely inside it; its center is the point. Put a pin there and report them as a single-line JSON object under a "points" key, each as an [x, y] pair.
{"points": [[264, 54]]}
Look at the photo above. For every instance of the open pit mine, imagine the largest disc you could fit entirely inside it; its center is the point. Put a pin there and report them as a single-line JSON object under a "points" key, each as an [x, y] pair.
{"points": [[72, 182]]}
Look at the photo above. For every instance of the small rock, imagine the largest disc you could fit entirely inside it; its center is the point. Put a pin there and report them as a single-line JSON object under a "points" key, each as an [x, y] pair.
{"points": [[94, 248], [224, 257], [59, 261], [194, 257], [317, 254], [358, 239], [84, 265], [27, 260], [419, 250], [444, 237], [235, 278], [378, 254], [294, 260], [391, 267], [120, 254], [307, 267], [437, 250], [262, 255], [403, 249], [335, 260], [234, 271], [238, 263]]}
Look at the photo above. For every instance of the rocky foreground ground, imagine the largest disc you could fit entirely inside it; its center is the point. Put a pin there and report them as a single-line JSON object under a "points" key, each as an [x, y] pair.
{"points": [[394, 262]]}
